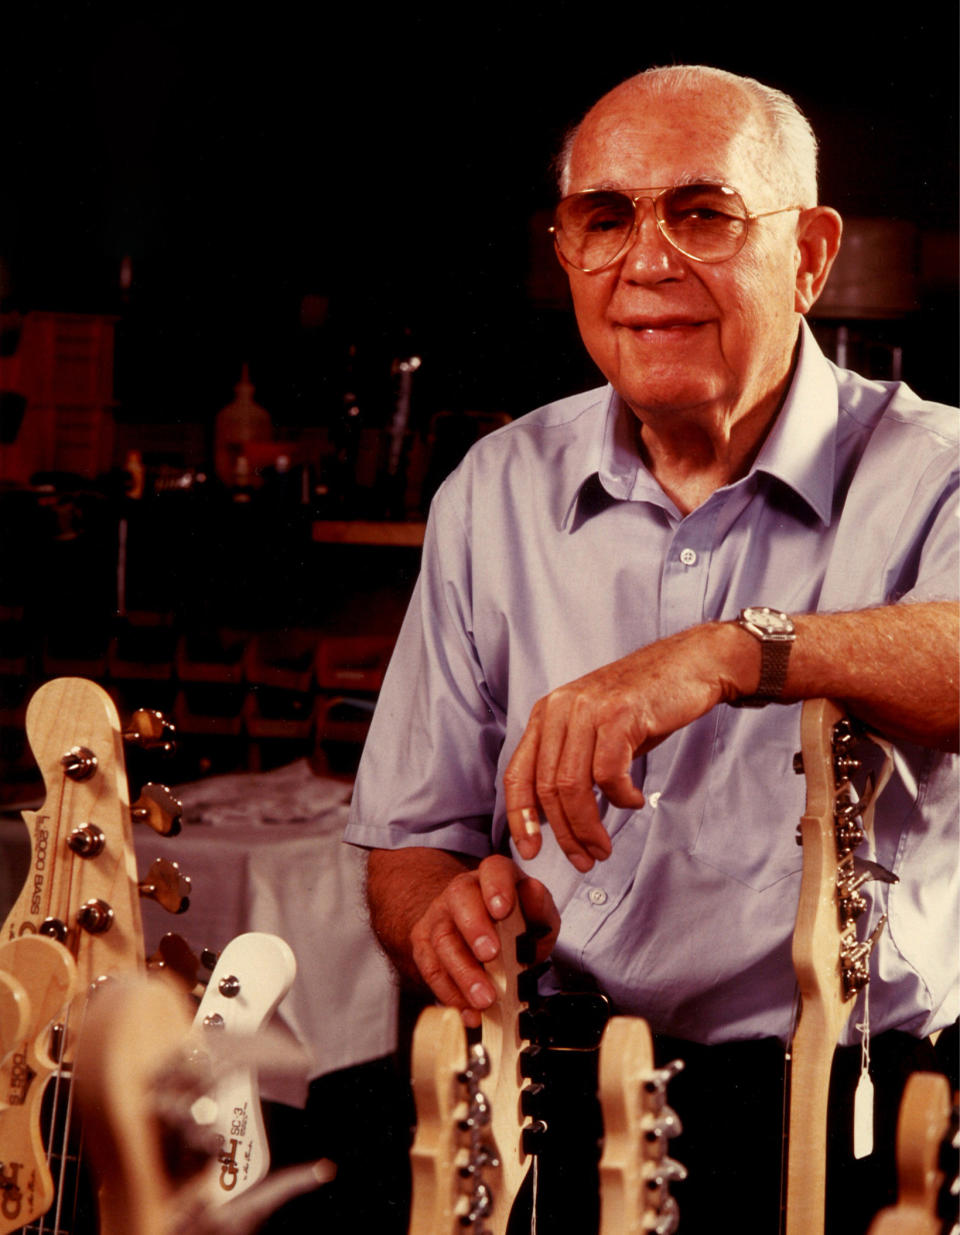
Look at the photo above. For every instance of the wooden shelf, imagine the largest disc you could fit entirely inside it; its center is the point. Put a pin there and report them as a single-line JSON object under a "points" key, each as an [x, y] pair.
{"points": [[365, 532]]}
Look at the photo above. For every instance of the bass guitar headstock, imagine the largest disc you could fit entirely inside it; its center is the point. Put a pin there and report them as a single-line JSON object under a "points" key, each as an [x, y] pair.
{"points": [[46, 973], [927, 1146], [82, 888], [251, 977], [845, 768], [476, 1104], [170, 1097], [636, 1170], [81, 903]]}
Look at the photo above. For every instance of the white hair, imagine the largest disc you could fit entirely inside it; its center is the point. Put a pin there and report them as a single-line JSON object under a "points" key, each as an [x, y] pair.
{"points": [[791, 163]]}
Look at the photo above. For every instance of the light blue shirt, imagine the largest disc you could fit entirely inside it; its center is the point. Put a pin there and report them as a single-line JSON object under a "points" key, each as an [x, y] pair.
{"points": [[552, 550]]}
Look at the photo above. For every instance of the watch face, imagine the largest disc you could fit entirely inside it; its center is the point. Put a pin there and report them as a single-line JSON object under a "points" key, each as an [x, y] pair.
{"points": [[769, 620]]}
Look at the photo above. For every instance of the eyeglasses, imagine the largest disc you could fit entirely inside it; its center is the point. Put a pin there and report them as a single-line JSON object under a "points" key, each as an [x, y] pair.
{"points": [[706, 222]]}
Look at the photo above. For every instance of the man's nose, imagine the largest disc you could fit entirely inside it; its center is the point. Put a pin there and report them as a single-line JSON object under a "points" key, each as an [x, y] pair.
{"points": [[649, 253]]}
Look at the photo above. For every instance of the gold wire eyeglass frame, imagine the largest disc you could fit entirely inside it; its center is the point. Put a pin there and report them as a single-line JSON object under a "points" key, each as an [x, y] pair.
{"points": [[655, 196]]}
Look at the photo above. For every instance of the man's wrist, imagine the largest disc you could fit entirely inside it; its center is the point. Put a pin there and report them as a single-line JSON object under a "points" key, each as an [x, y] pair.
{"points": [[773, 633]]}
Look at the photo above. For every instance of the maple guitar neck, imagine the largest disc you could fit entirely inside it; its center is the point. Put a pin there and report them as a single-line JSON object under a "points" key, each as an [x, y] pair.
{"points": [[82, 886], [471, 1151], [830, 962], [926, 1141], [635, 1169], [152, 1076], [81, 903]]}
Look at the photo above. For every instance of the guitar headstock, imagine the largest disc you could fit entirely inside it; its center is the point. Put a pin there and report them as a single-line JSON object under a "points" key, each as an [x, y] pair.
{"points": [[831, 963], [475, 1127], [46, 973], [251, 977], [78, 913], [926, 1143], [82, 888], [171, 1101], [635, 1167], [846, 769], [440, 1155]]}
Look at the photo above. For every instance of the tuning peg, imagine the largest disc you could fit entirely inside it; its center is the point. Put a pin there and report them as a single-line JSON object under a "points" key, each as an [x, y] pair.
{"points": [[151, 731], [667, 1220], [478, 1114], [667, 1171], [175, 954], [533, 1063], [78, 763], [157, 807], [661, 1127], [167, 886], [478, 1065], [855, 960], [533, 1137], [95, 916], [532, 1100]]}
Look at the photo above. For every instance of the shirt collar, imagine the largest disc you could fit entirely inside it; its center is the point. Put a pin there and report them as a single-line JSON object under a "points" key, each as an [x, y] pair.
{"points": [[800, 449]]}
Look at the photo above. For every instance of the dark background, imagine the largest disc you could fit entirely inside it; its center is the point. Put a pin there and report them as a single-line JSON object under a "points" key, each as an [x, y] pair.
{"points": [[288, 181]]}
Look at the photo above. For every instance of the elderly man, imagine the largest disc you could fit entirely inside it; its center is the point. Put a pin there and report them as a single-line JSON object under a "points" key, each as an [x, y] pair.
{"points": [[595, 601]]}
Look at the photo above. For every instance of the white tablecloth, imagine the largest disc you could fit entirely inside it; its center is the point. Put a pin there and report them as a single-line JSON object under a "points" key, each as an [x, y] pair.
{"points": [[263, 852]]}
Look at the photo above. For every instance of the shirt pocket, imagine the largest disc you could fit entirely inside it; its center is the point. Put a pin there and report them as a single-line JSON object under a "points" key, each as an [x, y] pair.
{"points": [[754, 799]]}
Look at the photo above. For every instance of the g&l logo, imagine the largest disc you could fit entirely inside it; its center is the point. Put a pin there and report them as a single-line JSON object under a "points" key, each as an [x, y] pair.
{"points": [[11, 1198], [228, 1164], [17, 1076]]}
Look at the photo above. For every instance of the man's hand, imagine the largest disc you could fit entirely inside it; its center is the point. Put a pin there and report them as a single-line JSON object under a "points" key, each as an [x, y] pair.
{"points": [[895, 667], [588, 733], [453, 933]]}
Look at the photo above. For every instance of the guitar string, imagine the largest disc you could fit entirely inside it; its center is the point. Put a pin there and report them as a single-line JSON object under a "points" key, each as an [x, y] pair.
{"points": [[62, 1099], [785, 1111], [61, 1085], [40, 1225]]}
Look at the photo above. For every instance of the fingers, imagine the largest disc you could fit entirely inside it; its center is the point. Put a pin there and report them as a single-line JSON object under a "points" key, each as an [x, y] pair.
{"points": [[519, 792], [563, 753], [457, 935], [540, 914]]}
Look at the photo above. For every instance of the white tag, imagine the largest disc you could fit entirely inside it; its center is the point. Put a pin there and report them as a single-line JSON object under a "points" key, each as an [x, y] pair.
{"points": [[863, 1117]]}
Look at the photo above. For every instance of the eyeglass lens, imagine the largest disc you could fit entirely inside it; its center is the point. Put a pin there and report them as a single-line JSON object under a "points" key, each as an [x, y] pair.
{"points": [[705, 221]]}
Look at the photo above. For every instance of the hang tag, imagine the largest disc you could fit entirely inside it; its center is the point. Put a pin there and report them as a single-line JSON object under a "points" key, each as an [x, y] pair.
{"points": [[863, 1097], [863, 1117]]}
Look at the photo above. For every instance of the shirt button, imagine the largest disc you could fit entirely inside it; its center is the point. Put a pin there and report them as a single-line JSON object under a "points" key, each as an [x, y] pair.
{"points": [[688, 556], [597, 896], [654, 799]]}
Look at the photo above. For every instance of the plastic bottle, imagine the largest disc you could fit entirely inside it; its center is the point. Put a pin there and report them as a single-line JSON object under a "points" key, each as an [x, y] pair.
{"points": [[239, 422]]}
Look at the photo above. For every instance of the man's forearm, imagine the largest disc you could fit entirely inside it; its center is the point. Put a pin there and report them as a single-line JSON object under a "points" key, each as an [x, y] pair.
{"points": [[895, 667], [401, 884]]}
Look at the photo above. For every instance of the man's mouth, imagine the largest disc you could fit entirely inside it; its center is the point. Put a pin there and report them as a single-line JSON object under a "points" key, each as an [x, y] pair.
{"points": [[661, 328]]}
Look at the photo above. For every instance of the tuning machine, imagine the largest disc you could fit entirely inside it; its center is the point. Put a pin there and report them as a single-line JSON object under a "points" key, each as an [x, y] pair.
{"points": [[855, 960], [159, 809], [167, 885], [78, 763], [152, 731]]}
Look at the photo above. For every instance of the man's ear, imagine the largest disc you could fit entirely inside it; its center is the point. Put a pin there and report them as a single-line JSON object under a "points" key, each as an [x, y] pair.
{"points": [[818, 241]]}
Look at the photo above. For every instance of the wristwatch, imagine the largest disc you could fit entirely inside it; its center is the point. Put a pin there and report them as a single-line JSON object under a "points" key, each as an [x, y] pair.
{"points": [[776, 633]]}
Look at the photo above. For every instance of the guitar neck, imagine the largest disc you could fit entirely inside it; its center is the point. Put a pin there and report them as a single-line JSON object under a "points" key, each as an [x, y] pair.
{"points": [[635, 1170], [926, 1161], [470, 1154], [77, 920], [82, 887], [830, 963]]}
